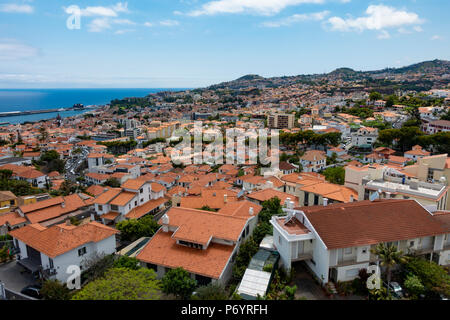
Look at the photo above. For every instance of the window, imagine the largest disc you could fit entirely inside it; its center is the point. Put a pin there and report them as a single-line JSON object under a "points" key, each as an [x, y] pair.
{"points": [[141, 191], [348, 250], [364, 250], [50, 262], [114, 208], [135, 203], [82, 251], [100, 207]]}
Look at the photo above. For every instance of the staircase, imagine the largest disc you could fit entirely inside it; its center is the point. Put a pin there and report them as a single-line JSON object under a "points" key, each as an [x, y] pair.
{"points": [[332, 287]]}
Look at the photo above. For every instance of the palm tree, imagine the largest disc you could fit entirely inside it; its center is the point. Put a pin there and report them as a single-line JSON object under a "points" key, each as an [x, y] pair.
{"points": [[389, 256]]}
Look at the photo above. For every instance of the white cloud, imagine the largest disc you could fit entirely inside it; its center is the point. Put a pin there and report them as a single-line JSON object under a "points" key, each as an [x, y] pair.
{"points": [[317, 16], [260, 7], [378, 17], [111, 11], [99, 25], [169, 23], [13, 50], [384, 35], [16, 8], [436, 37]]}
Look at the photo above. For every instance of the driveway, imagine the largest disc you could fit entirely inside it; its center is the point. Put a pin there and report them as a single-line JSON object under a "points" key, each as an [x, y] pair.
{"points": [[306, 286], [14, 277]]}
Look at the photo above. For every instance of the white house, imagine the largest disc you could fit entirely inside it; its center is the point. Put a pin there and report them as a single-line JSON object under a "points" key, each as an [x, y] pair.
{"points": [[365, 136], [50, 251], [202, 242], [335, 241]]}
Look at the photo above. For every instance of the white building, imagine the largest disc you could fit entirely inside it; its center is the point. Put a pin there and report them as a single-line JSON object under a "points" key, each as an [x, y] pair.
{"points": [[365, 136], [335, 241], [50, 251]]}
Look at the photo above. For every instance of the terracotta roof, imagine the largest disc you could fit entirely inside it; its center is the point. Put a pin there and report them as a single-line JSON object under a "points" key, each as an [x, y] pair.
{"points": [[110, 215], [96, 190], [199, 226], [267, 194], [151, 205], [69, 204], [156, 187], [163, 250], [240, 209], [41, 204], [7, 196], [134, 184], [12, 218], [366, 223], [123, 198], [57, 240], [108, 196], [331, 191]]}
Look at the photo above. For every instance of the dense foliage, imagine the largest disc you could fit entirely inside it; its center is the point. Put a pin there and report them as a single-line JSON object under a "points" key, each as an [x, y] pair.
{"points": [[122, 284], [131, 230], [179, 283]]}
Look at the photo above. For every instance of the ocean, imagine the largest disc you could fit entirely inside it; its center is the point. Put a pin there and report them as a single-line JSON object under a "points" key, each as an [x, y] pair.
{"points": [[40, 99]]}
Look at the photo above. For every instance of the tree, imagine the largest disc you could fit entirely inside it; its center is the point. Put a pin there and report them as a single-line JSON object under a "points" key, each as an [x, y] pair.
{"points": [[414, 285], [374, 95], [335, 175], [55, 290], [179, 283], [113, 183], [127, 262], [131, 230], [213, 291], [122, 284], [389, 256], [433, 276], [43, 134]]}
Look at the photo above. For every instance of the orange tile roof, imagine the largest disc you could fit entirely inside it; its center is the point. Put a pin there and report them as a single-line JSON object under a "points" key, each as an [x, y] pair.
{"points": [[57, 240], [108, 196], [110, 215], [240, 209], [147, 207], [12, 218], [96, 190], [163, 250], [366, 223], [267, 194], [123, 198], [134, 184]]}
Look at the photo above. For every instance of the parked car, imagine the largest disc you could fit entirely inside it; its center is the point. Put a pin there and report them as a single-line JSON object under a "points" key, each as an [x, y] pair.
{"points": [[33, 291], [395, 288]]}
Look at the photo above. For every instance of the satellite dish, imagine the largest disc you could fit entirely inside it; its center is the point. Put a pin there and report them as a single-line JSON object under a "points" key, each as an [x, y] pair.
{"points": [[374, 196]]}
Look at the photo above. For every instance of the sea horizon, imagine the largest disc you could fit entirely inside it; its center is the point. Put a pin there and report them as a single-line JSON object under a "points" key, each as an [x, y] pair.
{"points": [[57, 98]]}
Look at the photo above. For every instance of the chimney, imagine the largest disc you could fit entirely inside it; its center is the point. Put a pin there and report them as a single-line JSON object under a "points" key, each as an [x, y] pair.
{"points": [[251, 211], [165, 223], [351, 198], [225, 198], [68, 222], [63, 205], [388, 195], [325, 202]]}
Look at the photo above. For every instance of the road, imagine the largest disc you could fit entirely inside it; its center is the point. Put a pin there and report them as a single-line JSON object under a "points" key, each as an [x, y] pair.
{"points": [[74, 163]]}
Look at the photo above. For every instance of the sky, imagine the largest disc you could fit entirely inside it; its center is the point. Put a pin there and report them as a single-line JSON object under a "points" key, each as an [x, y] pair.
{"points": [[196, 43]]}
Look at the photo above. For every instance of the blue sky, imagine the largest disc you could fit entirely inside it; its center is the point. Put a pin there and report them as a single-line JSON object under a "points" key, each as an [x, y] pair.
{"points": [[192, 43]]}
